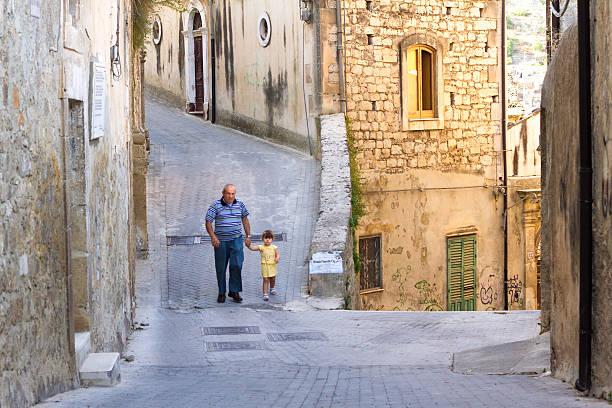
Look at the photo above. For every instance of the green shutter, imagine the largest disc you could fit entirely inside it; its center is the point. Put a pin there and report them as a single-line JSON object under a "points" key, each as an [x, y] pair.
{"points": [[461, 257]]}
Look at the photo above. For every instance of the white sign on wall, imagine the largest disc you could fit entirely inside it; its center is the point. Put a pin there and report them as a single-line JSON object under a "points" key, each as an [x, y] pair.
{"points": [[35, 8], [97, 101], [325, 262]]}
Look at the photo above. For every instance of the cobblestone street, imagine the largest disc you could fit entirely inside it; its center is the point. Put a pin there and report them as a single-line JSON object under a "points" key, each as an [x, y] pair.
{"points": [[286, 352]]}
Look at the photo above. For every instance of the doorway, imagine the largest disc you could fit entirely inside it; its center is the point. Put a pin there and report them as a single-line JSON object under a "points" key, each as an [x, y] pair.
{"points": [[197, 62]]}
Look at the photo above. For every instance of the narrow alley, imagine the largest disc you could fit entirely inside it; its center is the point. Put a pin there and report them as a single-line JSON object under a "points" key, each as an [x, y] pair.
{"points": [[189, 351]]}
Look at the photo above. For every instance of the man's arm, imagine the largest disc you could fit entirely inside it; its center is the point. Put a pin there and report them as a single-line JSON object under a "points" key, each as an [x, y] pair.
{"points": [[247, 230], [213, 238]]}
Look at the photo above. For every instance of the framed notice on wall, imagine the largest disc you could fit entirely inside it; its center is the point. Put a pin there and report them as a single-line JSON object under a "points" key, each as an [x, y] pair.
{"points": [[97, 100]]}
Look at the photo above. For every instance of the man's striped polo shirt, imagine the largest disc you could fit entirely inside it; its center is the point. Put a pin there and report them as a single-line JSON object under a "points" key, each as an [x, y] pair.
{"points": [[227, 218]]}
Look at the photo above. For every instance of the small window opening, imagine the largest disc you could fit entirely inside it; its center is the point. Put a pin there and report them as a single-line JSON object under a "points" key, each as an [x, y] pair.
{"points": [[264, 30], [452, 99], [369, 5], [480, 11], [486, 48], [448, 11], [197, 21], [370, 39], [374, 105], [495, 98]]}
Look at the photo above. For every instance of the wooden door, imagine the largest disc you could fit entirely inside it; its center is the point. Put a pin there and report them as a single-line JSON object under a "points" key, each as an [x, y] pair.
{"points": [[199, 74]]}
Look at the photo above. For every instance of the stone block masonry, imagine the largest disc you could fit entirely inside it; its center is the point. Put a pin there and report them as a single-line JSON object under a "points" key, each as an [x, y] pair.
{"points": [[65, 217], [466, 34]]}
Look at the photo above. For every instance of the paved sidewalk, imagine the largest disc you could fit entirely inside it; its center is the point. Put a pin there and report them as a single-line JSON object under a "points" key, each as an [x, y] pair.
{"points": [[284, 358]]}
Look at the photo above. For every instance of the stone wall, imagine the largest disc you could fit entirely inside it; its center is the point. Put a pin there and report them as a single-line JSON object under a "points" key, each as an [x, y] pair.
{"points": [[65, 260], [466, 32], [427, 180], [35, 358], [332, 232]]}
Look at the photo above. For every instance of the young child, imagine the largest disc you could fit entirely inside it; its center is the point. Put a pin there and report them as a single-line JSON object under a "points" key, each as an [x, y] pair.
{"points": [[269, 259]]}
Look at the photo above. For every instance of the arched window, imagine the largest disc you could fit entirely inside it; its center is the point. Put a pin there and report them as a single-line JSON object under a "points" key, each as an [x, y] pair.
{"points": [[197, 21], [419, 82]]}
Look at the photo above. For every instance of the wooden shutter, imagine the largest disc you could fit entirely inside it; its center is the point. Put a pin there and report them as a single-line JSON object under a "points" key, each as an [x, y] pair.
{"points": [[369, 251], [461, 257]]}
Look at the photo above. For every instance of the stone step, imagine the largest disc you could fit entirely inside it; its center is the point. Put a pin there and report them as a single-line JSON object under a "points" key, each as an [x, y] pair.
{"points": [[81, 347], [100, 369]]}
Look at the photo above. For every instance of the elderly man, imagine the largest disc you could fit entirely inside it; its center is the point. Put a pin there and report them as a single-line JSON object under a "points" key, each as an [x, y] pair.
{"points": [[228, 213]]}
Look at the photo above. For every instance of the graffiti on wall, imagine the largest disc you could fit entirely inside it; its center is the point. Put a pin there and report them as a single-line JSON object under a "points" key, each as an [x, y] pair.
{"points": [[427, 296], [401, 277], [515, 288], [487, 295], [365, 305]]}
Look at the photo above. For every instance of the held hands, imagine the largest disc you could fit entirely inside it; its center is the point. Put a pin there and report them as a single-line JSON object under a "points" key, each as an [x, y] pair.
{"points": [[215, 241], [247, 242]]}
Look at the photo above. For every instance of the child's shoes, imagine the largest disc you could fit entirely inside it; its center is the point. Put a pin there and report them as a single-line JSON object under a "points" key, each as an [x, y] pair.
{"points": [[265, 297], [273, 291]]}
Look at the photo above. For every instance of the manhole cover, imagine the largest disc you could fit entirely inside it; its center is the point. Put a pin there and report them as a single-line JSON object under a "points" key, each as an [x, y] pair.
{"points": [[233, 345], [220, 331], [303, 336]]}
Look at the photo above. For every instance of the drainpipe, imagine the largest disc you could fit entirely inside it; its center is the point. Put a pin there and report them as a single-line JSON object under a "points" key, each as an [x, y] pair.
{"points": [[213, 113], [504, 124], [340, 54], [586, 197]]}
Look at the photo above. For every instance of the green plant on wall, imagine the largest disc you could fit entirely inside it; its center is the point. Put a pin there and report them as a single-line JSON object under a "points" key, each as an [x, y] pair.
{"points": [[142, 13], [357, 204]]}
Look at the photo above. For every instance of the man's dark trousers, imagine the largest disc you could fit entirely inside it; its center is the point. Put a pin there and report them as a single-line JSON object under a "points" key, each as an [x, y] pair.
{"points": [[229, 252]]}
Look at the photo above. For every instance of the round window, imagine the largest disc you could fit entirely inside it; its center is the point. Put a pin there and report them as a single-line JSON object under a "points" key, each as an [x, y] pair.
{"points": [[156, 30], [264, 29]]}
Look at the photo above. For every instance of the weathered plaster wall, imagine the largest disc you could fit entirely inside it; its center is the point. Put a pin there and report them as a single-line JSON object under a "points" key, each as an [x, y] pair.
{"points": [[425, 184], [414, 225], [259, 89], [44, 146], [602, 199], [524, 220], [560, 244], [560, 231], [165, 62], [522, 141]]}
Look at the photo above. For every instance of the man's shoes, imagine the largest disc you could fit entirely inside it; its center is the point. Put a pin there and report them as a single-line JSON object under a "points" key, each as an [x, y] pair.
{"points": [[235, 296], [221, 298]]}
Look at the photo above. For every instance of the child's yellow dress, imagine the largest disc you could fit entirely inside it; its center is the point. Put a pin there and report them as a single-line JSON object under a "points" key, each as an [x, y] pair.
{"points": [[268, 255]]}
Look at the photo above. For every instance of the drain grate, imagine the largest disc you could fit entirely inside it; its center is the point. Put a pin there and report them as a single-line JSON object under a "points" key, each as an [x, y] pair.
{"points": [[234, 345], [302, 336], [172, 240], [221, 331]]}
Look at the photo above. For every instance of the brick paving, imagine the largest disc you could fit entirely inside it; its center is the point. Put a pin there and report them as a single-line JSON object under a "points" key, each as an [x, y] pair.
{"points": [[359, 359]]}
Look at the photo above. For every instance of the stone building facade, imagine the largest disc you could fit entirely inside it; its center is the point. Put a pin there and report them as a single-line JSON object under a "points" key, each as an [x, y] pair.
{"points": [[66, 217], [432, 180], [262, 77]]}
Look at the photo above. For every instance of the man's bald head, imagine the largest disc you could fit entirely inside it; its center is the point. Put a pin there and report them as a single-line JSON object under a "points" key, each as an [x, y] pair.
{"points": [[229, 193]]}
